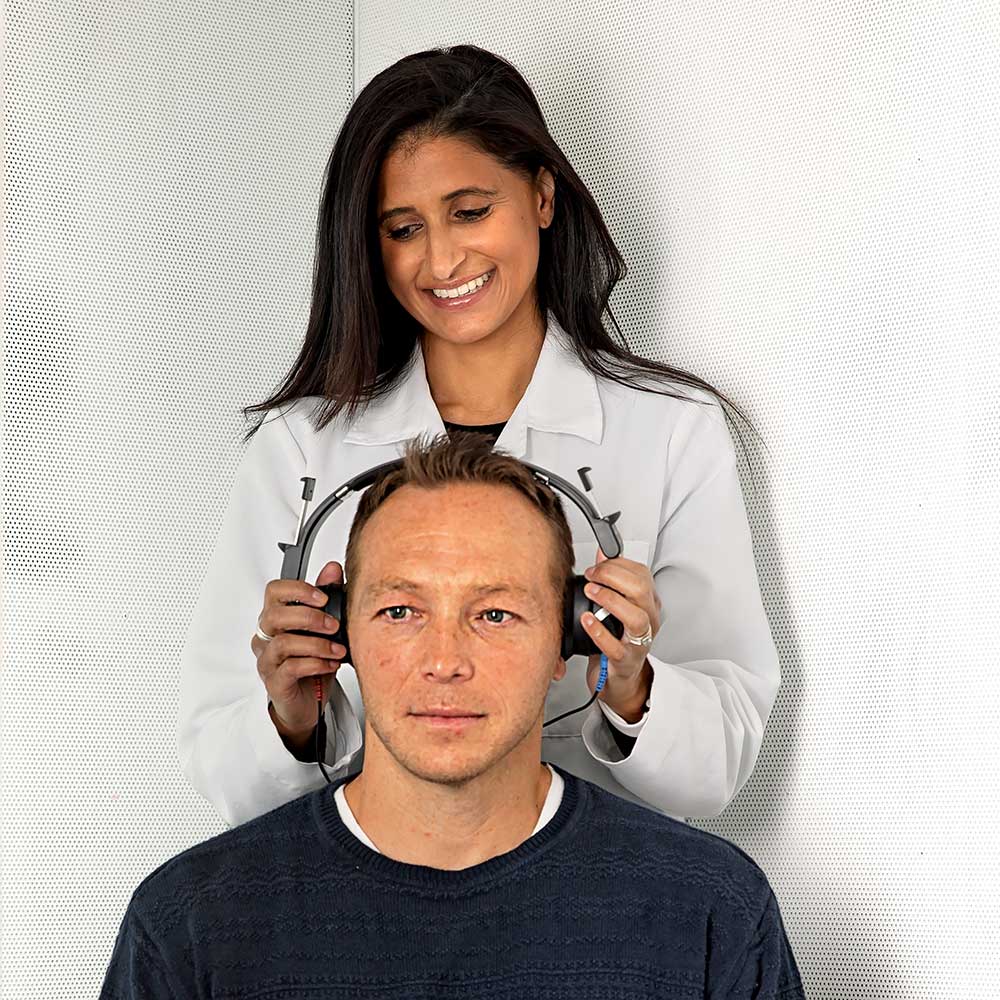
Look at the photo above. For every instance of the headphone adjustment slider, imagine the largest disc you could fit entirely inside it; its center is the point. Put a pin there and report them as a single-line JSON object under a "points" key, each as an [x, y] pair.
{"points": [[307, 494]]}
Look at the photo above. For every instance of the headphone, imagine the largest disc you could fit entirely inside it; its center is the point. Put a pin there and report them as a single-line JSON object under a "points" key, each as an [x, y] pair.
{"points": [[575, 639]]}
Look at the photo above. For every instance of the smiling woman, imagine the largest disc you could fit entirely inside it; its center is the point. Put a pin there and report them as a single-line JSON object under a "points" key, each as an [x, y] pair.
{"points": [[444, 170], [462, 278]]}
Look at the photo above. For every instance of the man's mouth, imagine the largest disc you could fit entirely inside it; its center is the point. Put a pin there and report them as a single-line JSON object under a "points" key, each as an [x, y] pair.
{"points": [[450, 719], [449, 713]]}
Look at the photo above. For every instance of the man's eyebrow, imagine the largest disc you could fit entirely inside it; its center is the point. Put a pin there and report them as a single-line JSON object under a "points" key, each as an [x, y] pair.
{"points": [[398, 583], [390, 212]]}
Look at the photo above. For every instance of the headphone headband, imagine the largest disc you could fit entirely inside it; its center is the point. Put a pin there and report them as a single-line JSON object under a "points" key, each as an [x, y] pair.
{"points": [[296, 554], [574, 639]]}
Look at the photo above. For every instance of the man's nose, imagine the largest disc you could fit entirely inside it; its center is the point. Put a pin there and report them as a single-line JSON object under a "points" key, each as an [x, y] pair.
{"points": [[446, 654]]}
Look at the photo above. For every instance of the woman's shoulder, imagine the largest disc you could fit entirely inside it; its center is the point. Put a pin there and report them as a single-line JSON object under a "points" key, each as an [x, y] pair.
{"points": [[288, 436], [679, 425], [661, 401], [298, 420]]}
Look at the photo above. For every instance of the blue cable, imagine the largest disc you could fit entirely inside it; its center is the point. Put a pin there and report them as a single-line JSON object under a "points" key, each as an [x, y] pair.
{"points": [[600, 684], [604, 673]]}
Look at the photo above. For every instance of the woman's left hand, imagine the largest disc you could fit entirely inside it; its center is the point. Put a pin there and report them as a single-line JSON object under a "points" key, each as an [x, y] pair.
{"points": [[625, 587]]}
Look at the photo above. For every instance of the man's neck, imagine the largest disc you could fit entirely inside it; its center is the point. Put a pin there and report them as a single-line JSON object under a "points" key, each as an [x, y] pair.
{"points": [[451, 827]]}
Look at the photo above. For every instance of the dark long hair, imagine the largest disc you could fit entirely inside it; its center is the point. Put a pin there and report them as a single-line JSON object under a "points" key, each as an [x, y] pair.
{"points": [[359, 338]]}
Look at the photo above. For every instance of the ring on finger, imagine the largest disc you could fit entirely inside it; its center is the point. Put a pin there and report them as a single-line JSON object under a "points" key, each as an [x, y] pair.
{"points": [[646, 639], [261, 634]]}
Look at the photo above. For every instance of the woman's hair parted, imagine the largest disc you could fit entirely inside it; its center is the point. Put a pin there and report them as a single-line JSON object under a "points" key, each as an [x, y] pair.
{"points": [[359, 338], [465, 457]]}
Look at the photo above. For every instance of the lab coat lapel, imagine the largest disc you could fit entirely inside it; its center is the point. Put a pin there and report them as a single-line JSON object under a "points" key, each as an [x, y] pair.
{"points": [[562, 397], [408, 410]]}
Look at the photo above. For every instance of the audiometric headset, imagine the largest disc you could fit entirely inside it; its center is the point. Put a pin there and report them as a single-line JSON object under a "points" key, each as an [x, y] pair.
{"points": [[575, 639]]}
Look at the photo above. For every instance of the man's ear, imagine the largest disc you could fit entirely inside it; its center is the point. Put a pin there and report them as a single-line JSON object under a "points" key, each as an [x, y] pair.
{"points": [[560, 671]]}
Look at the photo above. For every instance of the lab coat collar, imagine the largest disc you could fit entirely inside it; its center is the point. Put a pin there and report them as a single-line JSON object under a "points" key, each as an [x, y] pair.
{"points": [[561, 397]]}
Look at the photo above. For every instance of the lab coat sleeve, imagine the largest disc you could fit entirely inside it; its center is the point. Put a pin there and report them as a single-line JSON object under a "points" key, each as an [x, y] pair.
{"points": [[228, 746], [715, 666], [629, 728], [623, 734]]}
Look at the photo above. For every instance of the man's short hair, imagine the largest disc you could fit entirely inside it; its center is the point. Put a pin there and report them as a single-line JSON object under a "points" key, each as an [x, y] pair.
{"points": [[466, 457]]}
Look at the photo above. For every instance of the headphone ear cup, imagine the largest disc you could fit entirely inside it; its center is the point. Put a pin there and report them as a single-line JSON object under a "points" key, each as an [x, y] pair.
{"points": [[336, 607], [576, 639]]}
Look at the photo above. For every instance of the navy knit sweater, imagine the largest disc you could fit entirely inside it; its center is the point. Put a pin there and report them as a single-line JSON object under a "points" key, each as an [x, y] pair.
{"points": [[608, 900]]}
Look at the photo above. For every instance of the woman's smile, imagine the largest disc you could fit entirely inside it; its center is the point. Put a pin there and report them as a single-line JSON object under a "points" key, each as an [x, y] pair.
{"points": [[464, 301]]}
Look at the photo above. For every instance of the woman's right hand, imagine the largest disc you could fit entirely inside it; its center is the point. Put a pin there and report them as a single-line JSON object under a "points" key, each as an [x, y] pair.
{"points": [[288, 663]]}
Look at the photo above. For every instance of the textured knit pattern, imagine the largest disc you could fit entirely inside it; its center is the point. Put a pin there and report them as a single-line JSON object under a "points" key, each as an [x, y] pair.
{"points": [[608, 901]]}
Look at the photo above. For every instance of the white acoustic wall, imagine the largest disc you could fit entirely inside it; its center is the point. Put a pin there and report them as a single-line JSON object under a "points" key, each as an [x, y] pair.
{"points": [[163, 171], [807, 198]]}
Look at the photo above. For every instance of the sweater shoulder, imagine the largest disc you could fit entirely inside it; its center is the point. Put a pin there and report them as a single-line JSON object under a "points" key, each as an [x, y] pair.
{"points": [[674, 855], [229, 858]]}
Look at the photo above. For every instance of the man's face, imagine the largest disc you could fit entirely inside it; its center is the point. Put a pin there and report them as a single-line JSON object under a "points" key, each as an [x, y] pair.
{"points": [[427, 638]]}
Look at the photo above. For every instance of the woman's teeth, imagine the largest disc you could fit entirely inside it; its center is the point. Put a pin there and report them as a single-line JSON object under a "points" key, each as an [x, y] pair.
{"points": [[457, 293]]}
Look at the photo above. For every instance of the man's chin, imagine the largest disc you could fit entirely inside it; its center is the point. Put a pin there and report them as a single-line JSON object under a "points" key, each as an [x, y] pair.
{"points": [[446, 758], [449, 768]]}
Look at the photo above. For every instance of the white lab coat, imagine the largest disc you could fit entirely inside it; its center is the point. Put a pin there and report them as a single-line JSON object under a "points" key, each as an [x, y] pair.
{"points": [[668, 465]]}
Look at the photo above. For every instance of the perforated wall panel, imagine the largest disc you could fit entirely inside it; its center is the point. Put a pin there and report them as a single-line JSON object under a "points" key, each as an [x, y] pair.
{"points": [[806, 196], [163, 167]]}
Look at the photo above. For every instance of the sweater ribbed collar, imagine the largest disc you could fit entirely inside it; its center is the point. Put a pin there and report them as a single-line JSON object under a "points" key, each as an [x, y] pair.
{"points": [[362, 859]]}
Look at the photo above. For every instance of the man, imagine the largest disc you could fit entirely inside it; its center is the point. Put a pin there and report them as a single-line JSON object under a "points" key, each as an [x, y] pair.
{"points": [[456, 864]]}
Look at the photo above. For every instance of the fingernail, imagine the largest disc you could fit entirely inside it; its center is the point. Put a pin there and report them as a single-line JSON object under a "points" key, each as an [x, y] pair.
{"points": [[318, 595]]}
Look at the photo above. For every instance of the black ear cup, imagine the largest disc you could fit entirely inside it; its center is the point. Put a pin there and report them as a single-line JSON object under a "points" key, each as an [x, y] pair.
{"points": [[576, 639], [336, 607]]}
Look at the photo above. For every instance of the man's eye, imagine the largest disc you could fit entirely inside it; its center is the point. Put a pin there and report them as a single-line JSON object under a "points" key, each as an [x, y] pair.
{"points": [[394, 607], [498, 611], [470, 214], [405, 607]]}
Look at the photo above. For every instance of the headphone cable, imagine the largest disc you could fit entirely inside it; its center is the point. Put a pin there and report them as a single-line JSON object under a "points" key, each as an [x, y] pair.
{"points": [[320, 727], [597, 690]]}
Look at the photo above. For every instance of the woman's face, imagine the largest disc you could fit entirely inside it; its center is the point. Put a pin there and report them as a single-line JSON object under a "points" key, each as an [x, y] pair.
{"points": [[437, 238]]}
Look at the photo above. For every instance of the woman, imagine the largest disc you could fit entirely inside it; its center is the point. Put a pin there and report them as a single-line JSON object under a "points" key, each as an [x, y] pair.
{"points": [[444, 172]]}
